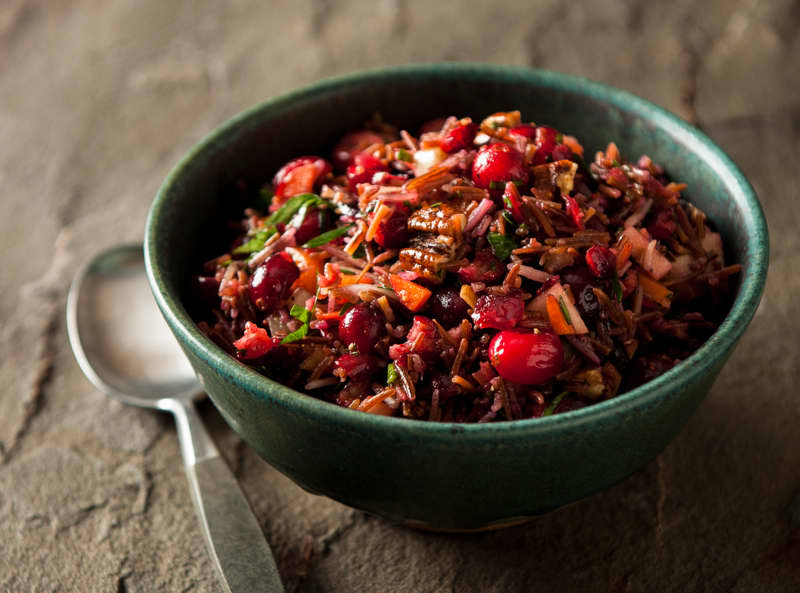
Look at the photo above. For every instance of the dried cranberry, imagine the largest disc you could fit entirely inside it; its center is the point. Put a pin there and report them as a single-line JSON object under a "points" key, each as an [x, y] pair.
{"points": [[459, 137], [587, 303], [497, 312], [393, 232], [574, 211], [362, 326], [484, 268], [363, 168], [422, 335], [316, 221], [272, 281], [300, 175], [663, 226], [448, 308], [352, 144], [526, 130], [496, 164], [356, 366], [545, 143], [255, 344], [526, 358], [601, 261]]}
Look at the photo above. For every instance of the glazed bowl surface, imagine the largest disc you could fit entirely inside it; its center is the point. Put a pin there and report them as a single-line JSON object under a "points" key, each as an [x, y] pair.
{"points": [[446, 475]]}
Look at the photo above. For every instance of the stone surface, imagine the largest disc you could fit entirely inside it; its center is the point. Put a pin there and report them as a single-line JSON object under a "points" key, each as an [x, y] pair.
{"points": [[100, 99]]}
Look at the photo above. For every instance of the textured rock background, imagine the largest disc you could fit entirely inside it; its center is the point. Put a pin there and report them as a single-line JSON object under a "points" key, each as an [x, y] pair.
{"points": [[99, 99]]}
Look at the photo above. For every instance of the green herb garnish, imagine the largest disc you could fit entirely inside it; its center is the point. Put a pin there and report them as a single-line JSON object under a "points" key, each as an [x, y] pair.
{"points": [[360, 252], [509, 218], [554, 404], [256, 242], [564, 311], [435, 205], [559, 138], [391, 374], [497, 185], [328, 236], [502, 245], [303, 315], [403, 155], [292, 205], [616, 287]]}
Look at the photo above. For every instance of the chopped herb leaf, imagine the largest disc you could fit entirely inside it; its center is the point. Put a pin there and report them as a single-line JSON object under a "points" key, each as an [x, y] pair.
{"points": [[345, 308], [616, 287], [507, 215], [256, 242], [391, 374], [297, 334], [328, 236], [559, 138], [497, 185], [615, 163], [347, 272], [225, 262], [436, 205], [292, 205], [518, 183], [502, 245], [523, 229], [300, 313], [403, 155], [564, 311], [548, 411], [496, 124]]}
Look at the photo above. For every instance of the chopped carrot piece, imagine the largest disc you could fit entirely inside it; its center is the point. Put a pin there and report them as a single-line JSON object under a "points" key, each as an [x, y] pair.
{"points": [[413, 296], [557, 319], [655, 290]]}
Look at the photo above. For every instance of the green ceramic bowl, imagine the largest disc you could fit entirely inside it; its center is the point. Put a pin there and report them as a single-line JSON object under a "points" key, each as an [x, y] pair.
{"points": [[436, 475]]}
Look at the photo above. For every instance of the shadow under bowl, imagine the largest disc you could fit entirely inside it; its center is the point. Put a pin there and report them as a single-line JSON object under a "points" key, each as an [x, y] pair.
{"points": [[446, 475]]}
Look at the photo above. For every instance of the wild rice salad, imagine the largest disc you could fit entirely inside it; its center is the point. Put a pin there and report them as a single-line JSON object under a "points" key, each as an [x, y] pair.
{"points": [[473, 273]]}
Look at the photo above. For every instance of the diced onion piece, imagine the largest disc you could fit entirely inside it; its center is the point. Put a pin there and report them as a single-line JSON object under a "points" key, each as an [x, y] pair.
{"points": [[425, 160]]}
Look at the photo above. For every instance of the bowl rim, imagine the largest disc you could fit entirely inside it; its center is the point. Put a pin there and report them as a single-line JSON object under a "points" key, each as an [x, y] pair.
{"points": [[686, 372]]}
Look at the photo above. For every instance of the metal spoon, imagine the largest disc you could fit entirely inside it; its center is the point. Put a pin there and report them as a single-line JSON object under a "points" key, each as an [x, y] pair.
{"points": [[125, 348]]}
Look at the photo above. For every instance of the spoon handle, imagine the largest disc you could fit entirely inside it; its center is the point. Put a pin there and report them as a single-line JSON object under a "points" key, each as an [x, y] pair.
{"points": [[241, 556]]}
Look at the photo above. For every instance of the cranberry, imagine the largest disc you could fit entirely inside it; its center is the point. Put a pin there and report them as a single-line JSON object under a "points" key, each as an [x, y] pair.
{"points": [[448, 308], [255, 344], [272, 281], [663, 227], [356, 366], [497, 312], [561, 152], [527, 358], [361, 326], [545, 143], [484, 268], [527, 130], [352, 144], [316, 221], [459, 138], [300, 175], [422, 336], [574, 211], [497, 164], [363, 168], [393, 232], [601, 261], [587, 303]]}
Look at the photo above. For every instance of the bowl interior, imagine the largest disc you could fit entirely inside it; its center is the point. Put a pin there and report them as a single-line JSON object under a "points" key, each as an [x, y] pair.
{"points": [[192, 205]]}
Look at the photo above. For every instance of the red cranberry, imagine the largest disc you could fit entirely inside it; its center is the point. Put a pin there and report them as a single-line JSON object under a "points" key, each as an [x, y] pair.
{"points": [[356, 366], [601, 261], [526, 358], [361, 325], [545, 143], [422, 336], [459, 138], [316, 221], [497, 312], [300, 175], [484, 268], [526, 130], [663, 227], [496, 164], [363, 168], [393, 232], [272, 281], [352, 144], [448, 308]]}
